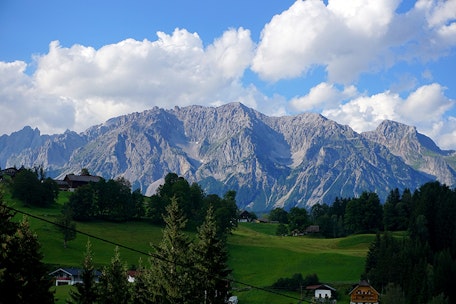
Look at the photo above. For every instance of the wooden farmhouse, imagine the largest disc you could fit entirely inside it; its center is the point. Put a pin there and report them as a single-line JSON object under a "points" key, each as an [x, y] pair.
{"points": [[364, 293], [313, 229], [76, 181], [9, 172]]}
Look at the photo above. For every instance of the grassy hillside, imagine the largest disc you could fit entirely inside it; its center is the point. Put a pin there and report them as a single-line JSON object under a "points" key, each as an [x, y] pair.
{"points": [[257, 256], [137, 235], [260, 258]]}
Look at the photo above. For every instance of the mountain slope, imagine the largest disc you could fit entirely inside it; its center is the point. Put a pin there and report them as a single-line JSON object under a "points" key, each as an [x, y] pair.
{"points": [[417, 150], [270, 161]]}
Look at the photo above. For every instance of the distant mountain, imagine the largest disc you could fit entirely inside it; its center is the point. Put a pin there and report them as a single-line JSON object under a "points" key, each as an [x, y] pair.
{"points": [[417, 150], [269, 161]]}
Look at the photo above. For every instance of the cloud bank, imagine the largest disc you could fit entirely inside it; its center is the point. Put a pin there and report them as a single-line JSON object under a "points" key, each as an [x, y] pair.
{"points": [[350, 38], [79, 86]]}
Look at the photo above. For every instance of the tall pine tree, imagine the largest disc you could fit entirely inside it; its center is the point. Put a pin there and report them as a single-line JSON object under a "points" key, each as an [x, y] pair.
{"points": [[86, 293], [141, 292], [211, 256], [173, 281], [66, 225], [114, 287]]}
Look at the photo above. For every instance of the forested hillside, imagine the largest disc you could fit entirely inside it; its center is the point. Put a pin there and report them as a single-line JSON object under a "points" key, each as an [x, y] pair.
{"points": [[416, 264]]}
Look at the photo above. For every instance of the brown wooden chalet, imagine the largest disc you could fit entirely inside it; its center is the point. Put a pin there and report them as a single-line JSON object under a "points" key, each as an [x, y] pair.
{"points": [[313, 229], [364, 293], [75, 181], [8, 171]]}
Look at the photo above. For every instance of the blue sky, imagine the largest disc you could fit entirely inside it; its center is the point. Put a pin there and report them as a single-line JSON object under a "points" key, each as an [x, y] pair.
{"points": [[74, 64]]}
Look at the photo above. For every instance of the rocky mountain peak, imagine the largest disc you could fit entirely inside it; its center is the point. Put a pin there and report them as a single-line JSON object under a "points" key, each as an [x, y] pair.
{"points": [[284, 161], [416, 149]]}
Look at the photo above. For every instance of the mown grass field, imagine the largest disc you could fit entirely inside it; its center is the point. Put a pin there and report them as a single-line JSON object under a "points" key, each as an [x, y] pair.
{"points": [[258, 257]]}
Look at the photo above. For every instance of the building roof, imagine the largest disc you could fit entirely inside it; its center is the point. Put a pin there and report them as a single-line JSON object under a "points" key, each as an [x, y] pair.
{"points": [[61, 182], [82, 178], [245, 213], [320, 287], [73, 271], [313, 228], [69, 271], [364, 283]]}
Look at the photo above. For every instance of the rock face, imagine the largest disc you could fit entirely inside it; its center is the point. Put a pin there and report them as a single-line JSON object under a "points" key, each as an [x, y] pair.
{"points": [[417, 150], [269, 161]]}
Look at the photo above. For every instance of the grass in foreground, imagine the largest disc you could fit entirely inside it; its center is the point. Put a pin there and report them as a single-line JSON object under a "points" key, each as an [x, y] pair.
{"points": [[261, 259]]}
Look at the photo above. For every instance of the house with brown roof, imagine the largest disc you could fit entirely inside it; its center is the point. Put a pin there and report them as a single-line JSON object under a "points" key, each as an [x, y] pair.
{"points": [[312, 229], [76, 181], [364, 293]]}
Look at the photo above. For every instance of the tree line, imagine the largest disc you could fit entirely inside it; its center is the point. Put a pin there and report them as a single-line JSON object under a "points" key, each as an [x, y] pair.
{"points": [[345, 216], [114, 200], [33, 188], [421, 267], [417, 265]]}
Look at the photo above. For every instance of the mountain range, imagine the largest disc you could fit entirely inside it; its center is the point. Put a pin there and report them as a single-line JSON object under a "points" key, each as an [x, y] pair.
{"points": [[269, 161]]}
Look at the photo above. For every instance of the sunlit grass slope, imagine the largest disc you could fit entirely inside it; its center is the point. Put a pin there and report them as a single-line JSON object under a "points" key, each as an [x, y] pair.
{"points": [[260, 259], [257, 256]]}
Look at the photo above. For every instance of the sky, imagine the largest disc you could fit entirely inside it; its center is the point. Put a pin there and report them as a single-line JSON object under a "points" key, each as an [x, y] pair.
{"points": [[69, 65]]}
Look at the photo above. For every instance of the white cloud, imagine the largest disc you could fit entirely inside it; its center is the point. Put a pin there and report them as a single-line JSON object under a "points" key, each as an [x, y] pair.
{"points": [[80, 86], [426, 108], [366, 112], [427, 104], [21, 103], [438, 13], [324, 95], [231, 53], [349, 38], [175, 69], [445, 133]]}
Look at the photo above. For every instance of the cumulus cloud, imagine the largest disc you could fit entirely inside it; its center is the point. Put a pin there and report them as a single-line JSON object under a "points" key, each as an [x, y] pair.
{"points": [[78, 86], [424, 108], [22, 103], [366, 112], [350, 38], [175, 68], [324, 95], [428, 103]]}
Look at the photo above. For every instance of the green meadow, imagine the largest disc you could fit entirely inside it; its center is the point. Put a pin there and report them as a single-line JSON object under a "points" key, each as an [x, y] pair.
{"points": [[258, 257]]}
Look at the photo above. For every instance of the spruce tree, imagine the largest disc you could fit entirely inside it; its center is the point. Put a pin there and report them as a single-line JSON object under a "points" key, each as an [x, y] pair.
{"points": [[66, 225], [173, 279], [211, 256], [114, 287], [142, 293], [86, 293], [23, 276]]}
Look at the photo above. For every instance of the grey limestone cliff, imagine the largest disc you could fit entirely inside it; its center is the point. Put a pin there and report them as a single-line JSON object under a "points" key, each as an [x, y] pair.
{"points": [[269, 161]]}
